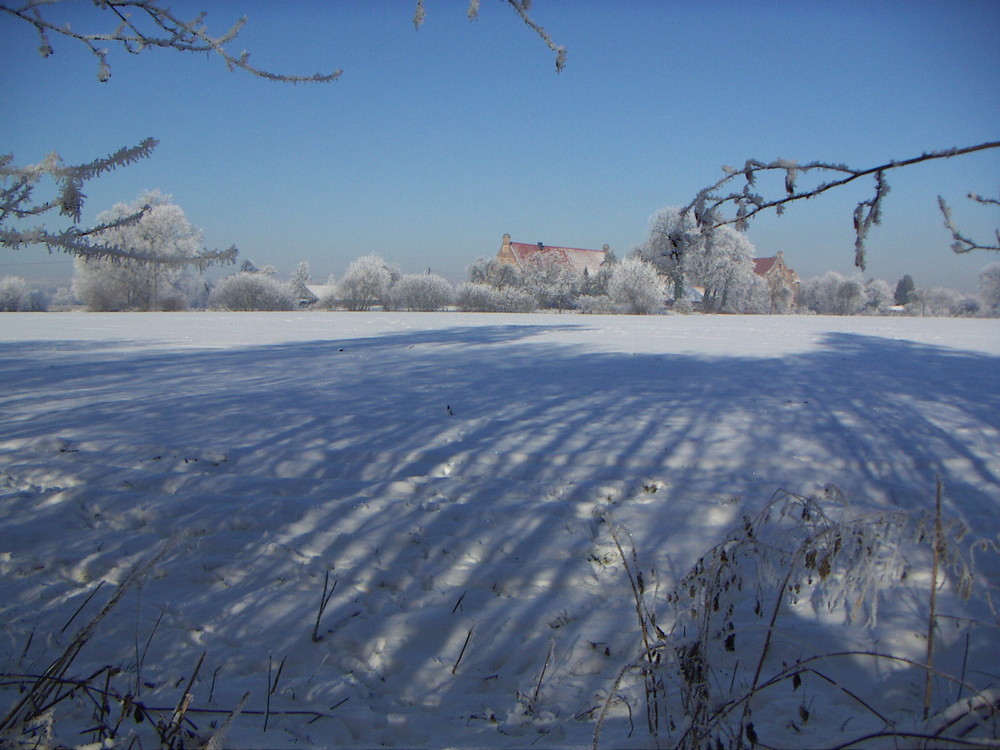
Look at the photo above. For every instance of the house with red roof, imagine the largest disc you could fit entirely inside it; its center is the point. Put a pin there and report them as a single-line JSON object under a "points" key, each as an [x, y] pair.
{"points": [[521, 255]]}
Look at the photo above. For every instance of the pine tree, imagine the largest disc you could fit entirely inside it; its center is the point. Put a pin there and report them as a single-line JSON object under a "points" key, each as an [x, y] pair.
{"points": [[903, 289]]}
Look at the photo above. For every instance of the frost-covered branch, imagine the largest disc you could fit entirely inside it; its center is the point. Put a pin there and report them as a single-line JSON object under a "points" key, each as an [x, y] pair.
{"points": [[710, 204], [963, 244], [17, 203], [145, 24]]}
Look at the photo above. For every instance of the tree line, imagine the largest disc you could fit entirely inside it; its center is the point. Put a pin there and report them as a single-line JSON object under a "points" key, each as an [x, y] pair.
{"points": [[709, 276]]}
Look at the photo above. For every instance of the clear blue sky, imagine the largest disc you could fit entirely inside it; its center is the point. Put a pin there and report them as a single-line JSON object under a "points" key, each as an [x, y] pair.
{"points": [[435, 142]]}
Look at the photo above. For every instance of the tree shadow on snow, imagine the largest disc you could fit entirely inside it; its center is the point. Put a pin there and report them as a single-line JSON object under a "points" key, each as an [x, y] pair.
{"points": [[451, 482]]}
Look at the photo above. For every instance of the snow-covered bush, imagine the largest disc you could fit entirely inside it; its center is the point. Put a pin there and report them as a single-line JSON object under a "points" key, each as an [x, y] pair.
{"points": [[15, 294], [366, 283], [245, 291], [635, 287], [494, 273], [424, 292], [934, 302], [833, 294], [474, 297], [683, 307], [599, 304]]}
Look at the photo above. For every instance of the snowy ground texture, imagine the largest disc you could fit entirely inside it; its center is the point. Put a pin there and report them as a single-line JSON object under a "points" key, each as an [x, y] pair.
{"points": [[459, 481]]}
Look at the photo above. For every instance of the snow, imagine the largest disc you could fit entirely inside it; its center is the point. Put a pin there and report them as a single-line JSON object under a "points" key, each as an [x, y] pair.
{"points": [[456, 478]]}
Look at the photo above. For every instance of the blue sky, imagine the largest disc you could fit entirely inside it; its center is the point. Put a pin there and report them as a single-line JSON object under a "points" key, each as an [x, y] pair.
{"points": [[435, 142]]}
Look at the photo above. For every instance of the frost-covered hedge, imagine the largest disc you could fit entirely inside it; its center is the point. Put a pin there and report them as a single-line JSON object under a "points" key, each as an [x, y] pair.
{"points": [[474, 297], [251, 291], [423, 292], [15, 295]]}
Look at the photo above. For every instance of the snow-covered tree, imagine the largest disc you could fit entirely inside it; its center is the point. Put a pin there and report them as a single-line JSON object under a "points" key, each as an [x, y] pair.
{"points": [[723, 265], [672, 236], [552, 283], [365, 283], [424, 292], [635, 287], [494, 272], [720, 261], [878, 296], [989, 290], [161, 234], [245, 291], [300, 278]]}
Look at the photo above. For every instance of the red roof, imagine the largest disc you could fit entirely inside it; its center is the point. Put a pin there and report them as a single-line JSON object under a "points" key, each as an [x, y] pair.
{"points": [[576, 257], [762, 265]]}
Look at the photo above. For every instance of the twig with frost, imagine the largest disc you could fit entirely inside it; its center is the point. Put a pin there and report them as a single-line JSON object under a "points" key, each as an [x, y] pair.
{"points": [[746, 201], [522, 8], [145, 24], [962, 243]]}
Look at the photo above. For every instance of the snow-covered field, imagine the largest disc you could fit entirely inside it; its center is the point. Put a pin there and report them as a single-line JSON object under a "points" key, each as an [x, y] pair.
{"points": [[456, 479]]}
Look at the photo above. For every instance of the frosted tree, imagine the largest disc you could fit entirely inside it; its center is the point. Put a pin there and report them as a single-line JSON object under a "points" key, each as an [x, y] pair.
{"points": [[365, 283], [554, 284], [635, 287], [723, 265], [989, 290], [720, 260], [671, 234], [299, 282], [161, 234], [132, 26], [878, 295], [494, 272]]}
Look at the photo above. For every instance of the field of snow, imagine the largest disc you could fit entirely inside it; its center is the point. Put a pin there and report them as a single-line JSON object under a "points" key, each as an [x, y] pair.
{"points": [[457, 481]]}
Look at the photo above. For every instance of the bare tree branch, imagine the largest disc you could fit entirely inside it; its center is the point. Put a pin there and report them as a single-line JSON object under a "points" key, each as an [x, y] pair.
{"points": [[710, 203]]}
